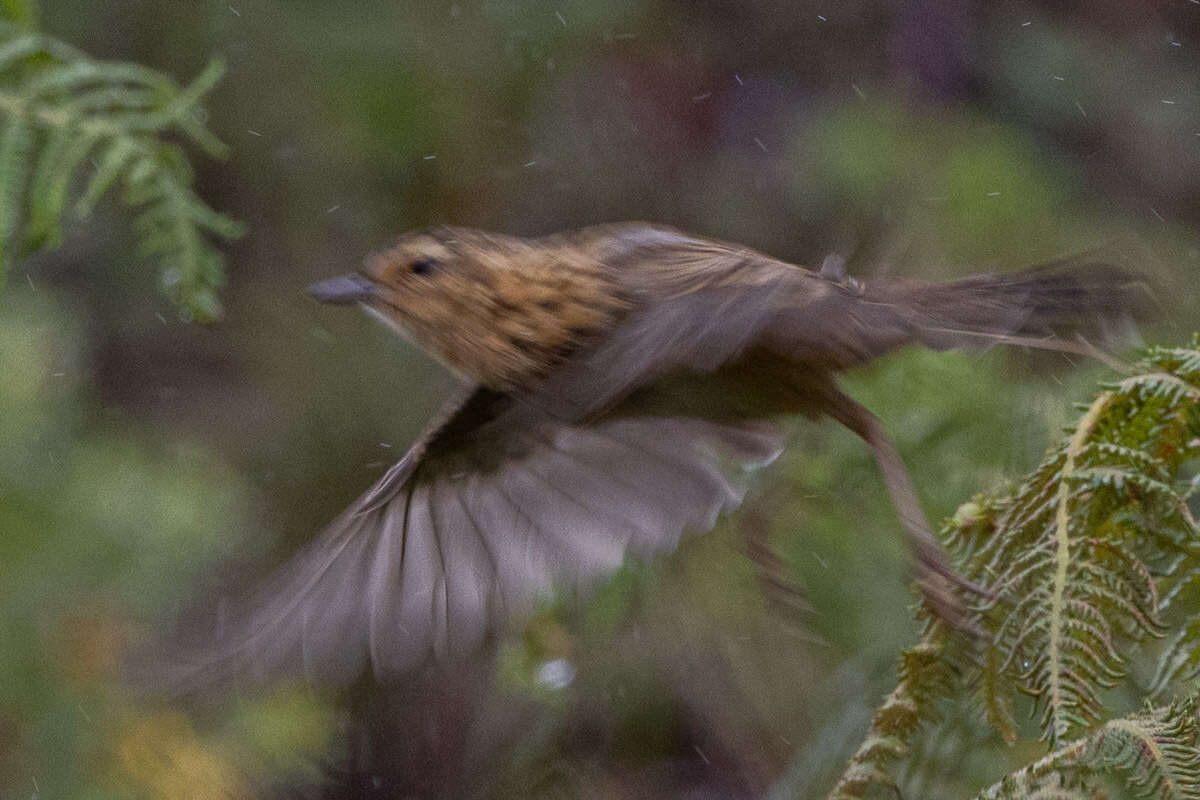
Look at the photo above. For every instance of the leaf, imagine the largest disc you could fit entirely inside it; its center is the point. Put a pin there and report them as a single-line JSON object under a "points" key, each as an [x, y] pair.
{"points": [[113, 160], [925, 676], [58, 165], [58, 107], [1074, 559], [1156, 753]]}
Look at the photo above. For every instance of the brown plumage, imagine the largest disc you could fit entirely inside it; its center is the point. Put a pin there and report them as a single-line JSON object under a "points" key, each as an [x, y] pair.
{"points": [[618, 382], [507, 315]]}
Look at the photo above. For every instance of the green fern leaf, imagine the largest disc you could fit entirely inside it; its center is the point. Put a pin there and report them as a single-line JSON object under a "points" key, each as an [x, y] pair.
{"points": [[38, 222], [58, 165], [925, 676], [1155, 754], [59, 107], [1091, 554], [1069, 558], [1180, 659], [113, 159]]}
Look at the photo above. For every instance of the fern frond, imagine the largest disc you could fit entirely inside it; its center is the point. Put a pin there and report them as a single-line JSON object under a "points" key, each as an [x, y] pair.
{"points": [[1070, 558], [69, 120], [114, 157], [925, 676], [59, 162], [1180, 659], [1091, 554], [1155, 753]]}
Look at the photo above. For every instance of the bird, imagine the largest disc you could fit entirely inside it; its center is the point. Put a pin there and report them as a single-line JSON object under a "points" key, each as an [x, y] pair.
{"points": [[617, 386]]}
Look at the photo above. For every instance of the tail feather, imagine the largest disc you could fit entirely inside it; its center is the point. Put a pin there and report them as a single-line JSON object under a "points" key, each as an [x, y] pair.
{"points": [[1046, 302], [1047, 306]]}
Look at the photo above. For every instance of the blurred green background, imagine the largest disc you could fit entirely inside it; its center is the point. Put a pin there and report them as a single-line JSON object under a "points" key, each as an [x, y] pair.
{"points": [[147, 464]]}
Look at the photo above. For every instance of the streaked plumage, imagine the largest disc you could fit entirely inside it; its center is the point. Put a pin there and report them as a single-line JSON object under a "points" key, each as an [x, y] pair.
{"points": [[619, 382]]}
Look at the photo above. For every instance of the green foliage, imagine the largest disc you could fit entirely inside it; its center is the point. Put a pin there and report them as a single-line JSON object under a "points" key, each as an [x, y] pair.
{"points": [[1075, 560], [64, 116], [924, 677], [1156, 753]]}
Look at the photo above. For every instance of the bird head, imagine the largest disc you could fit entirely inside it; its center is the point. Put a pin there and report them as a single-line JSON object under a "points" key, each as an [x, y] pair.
{"points": [[496, 308], [413, 270]]}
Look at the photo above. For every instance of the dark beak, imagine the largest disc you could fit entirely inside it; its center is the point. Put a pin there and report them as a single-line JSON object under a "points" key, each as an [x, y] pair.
{"points": [[343, 289]]}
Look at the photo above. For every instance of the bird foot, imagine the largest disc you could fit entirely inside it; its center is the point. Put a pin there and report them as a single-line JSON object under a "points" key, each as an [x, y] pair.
{"points": [[945, 593]]}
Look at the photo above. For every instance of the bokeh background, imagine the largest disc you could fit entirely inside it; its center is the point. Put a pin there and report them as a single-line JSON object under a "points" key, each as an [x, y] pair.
{"points": [[148, 465]]}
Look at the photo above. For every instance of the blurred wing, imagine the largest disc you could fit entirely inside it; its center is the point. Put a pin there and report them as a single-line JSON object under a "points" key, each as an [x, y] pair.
{"points": [[696, 304], [505, 505]]}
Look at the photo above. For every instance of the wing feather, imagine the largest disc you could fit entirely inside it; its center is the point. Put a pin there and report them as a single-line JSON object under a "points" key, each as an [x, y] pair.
{"points": [[472, 540], [504, 498]]}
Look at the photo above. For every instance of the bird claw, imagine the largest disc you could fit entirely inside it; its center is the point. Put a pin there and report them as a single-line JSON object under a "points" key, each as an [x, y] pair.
{"points": [[943, 590]]}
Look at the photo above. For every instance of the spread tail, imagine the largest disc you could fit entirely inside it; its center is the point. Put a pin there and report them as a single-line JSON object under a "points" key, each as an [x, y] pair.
{"points": [[1055, 306], [1041, 304]]}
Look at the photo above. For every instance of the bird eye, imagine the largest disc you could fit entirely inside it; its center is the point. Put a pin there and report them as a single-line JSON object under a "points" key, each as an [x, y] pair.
{"points": [[422, 266]]}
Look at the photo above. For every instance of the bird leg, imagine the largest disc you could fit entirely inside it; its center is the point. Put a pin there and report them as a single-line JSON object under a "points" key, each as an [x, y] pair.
{"points": [[934, 575]]}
